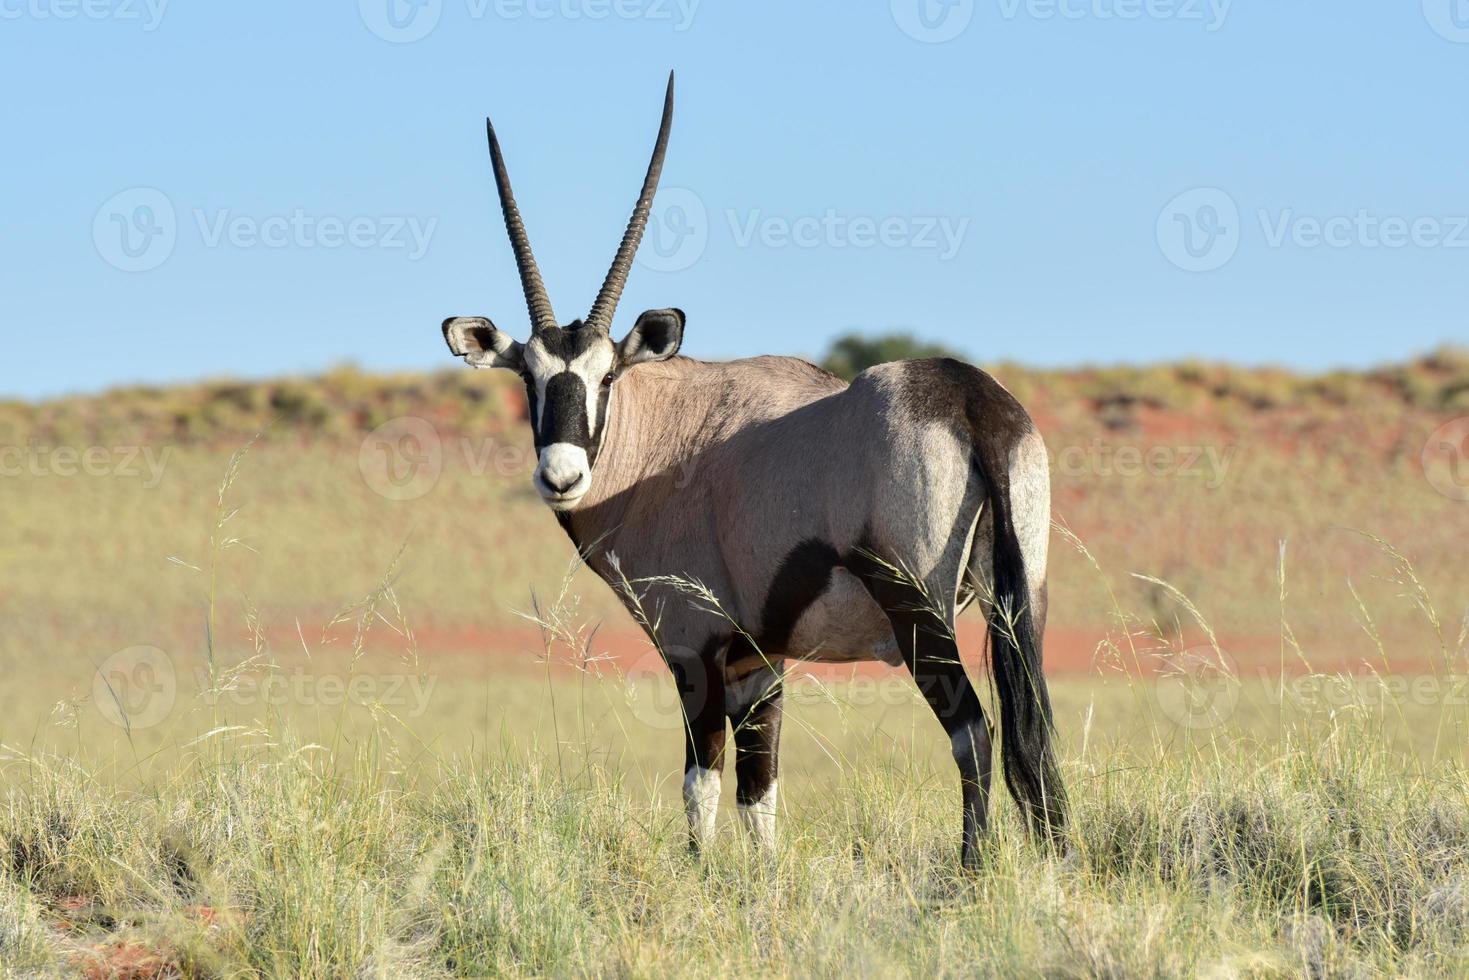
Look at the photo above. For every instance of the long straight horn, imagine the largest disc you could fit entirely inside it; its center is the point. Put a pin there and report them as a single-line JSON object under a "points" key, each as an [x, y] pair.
{"points": [[606, 304], [536, 299]]}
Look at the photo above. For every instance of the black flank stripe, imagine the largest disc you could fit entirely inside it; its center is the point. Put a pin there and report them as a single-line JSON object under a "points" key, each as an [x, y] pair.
{"points": [[803, 575]]}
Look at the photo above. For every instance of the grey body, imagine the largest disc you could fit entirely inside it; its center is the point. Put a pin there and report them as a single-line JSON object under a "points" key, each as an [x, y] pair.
{"points": [[828, 522], [720, 472]]}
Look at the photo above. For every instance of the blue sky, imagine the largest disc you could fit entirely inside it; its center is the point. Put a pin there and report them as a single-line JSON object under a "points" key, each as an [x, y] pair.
{"points": [[198, 190]]}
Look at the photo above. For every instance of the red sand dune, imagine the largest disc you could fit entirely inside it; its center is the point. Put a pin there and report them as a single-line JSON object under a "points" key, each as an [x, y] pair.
{"points": [[1069, 651]]}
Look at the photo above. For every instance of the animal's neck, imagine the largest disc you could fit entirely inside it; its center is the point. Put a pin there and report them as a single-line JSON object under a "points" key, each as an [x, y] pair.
{"points": [[659, 418], [663, 420]]}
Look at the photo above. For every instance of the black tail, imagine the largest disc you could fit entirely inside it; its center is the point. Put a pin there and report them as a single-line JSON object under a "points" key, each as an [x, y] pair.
{"points": [[1026, 727]]}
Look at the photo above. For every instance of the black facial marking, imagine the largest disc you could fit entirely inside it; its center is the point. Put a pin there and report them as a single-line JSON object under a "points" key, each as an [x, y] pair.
{"points": [[596, 447], [532, 406], [564, 416]]}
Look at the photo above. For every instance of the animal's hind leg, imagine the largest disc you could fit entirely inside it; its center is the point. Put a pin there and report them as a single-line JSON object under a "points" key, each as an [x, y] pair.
{"points": [[929, 649], [753, 703]]}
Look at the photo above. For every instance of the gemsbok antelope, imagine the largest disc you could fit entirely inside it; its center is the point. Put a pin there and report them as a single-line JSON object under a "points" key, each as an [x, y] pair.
{"points": [[832, 522]]}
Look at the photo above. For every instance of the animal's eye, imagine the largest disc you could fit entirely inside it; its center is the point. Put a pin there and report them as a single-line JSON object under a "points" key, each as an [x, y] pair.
{"points": [[608, 380]]}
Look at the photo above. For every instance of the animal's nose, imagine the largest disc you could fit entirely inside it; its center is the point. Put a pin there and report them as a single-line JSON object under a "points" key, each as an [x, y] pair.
{"points": [[562, 481], [563, 468]]}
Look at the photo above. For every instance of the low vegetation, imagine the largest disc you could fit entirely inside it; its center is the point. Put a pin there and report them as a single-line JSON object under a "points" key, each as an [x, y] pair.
{"points": [[346, 402], [258, 854], [531, 826], [852, 354]]}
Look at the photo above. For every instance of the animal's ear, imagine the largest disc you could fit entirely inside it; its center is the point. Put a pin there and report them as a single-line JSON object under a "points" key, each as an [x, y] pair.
{"points": [[655, 337], [482, 344]]}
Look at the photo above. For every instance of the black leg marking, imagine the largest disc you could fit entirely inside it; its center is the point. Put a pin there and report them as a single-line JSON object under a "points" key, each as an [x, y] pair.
{"points": [[754, 707], [701, 693]]}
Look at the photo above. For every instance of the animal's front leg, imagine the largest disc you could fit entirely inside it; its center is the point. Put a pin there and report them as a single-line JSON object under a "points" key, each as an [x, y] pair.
{"points": [[754, 706], [700, 680]]}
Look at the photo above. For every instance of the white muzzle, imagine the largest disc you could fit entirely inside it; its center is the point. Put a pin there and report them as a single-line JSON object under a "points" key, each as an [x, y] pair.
{"points": [[563, 475]]}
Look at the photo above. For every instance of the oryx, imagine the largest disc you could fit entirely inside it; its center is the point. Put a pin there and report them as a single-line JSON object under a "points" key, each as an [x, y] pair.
{"points": [[832, 522]]}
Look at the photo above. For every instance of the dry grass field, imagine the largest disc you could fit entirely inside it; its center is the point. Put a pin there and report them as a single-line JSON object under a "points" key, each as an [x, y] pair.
{"points": [[301, 680]]}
